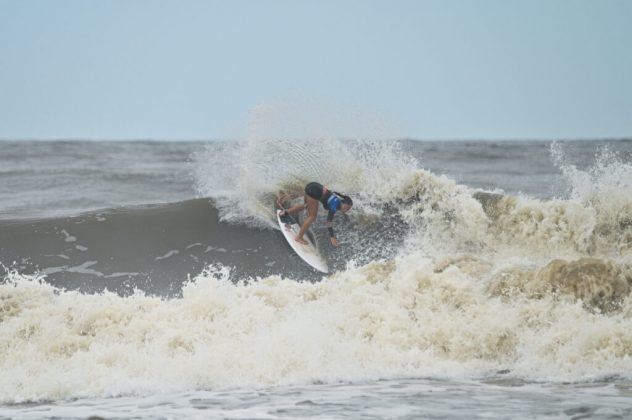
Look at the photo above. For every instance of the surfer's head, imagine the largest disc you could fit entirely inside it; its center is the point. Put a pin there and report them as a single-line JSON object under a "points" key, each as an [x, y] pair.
{"points": [[346, 202]]}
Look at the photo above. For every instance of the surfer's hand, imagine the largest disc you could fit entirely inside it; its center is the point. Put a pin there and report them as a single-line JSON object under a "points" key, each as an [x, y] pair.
{"points": [[334, 241]]}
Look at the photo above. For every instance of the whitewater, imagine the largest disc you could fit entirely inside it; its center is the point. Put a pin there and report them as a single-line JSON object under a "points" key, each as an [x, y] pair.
{"points": [[474, 279]]}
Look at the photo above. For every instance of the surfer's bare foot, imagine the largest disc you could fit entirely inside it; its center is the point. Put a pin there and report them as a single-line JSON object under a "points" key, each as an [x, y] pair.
{"points": [[301, 241]]}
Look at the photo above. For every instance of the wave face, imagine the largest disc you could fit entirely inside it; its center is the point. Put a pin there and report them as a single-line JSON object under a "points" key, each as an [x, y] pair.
{"points": [[148, 248], [435, 279]]}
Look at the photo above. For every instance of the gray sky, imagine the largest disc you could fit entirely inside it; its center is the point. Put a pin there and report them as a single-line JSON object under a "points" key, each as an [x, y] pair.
{"points": [[218, 69]]}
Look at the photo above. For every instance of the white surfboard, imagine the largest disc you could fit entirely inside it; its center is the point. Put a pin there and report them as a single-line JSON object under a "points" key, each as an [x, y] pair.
{"points": [[308, 253]]}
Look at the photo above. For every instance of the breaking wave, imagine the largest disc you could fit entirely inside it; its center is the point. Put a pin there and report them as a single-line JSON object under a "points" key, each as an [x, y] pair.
{"points": [[438, 280]]}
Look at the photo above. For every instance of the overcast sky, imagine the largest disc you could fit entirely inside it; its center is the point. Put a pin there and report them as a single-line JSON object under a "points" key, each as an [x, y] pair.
{"points": [[216, 69]]}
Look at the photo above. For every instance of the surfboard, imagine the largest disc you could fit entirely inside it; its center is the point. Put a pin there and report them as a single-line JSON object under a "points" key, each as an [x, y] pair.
{"points": [[308, 253]]}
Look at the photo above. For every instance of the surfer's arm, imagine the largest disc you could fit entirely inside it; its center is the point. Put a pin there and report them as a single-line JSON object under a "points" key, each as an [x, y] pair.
{"points": [[283, 196], [330, 228], [330, 223]]}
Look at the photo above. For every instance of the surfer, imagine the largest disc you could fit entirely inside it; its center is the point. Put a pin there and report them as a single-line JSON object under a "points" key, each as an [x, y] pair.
{"points": [[331, 201]]}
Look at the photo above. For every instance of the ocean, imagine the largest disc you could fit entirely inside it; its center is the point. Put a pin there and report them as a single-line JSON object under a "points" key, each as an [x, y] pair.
{"points": [[474, 279]]}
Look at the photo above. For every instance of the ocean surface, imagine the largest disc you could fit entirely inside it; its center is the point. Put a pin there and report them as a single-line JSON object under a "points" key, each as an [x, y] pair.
{"points": [[475, 279]]}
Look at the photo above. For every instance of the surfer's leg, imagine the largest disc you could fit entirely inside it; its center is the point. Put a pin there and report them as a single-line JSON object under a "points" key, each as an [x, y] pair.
{"points": [[283, 196], [281, 199], [295, 209], [312, 211]]}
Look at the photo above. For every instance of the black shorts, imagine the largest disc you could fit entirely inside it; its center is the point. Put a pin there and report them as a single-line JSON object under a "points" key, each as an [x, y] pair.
{"points": [[314, 190]]}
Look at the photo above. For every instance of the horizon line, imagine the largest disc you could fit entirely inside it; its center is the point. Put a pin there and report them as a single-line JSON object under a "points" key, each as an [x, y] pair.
{"points": [[403, 138]]}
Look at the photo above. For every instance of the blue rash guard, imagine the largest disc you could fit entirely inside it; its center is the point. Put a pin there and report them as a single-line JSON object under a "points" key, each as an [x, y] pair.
{"points": [[333, 205]]}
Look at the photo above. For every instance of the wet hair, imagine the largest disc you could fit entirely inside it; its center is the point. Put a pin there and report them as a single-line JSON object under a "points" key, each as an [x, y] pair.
{"points": [[344, 198]]}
